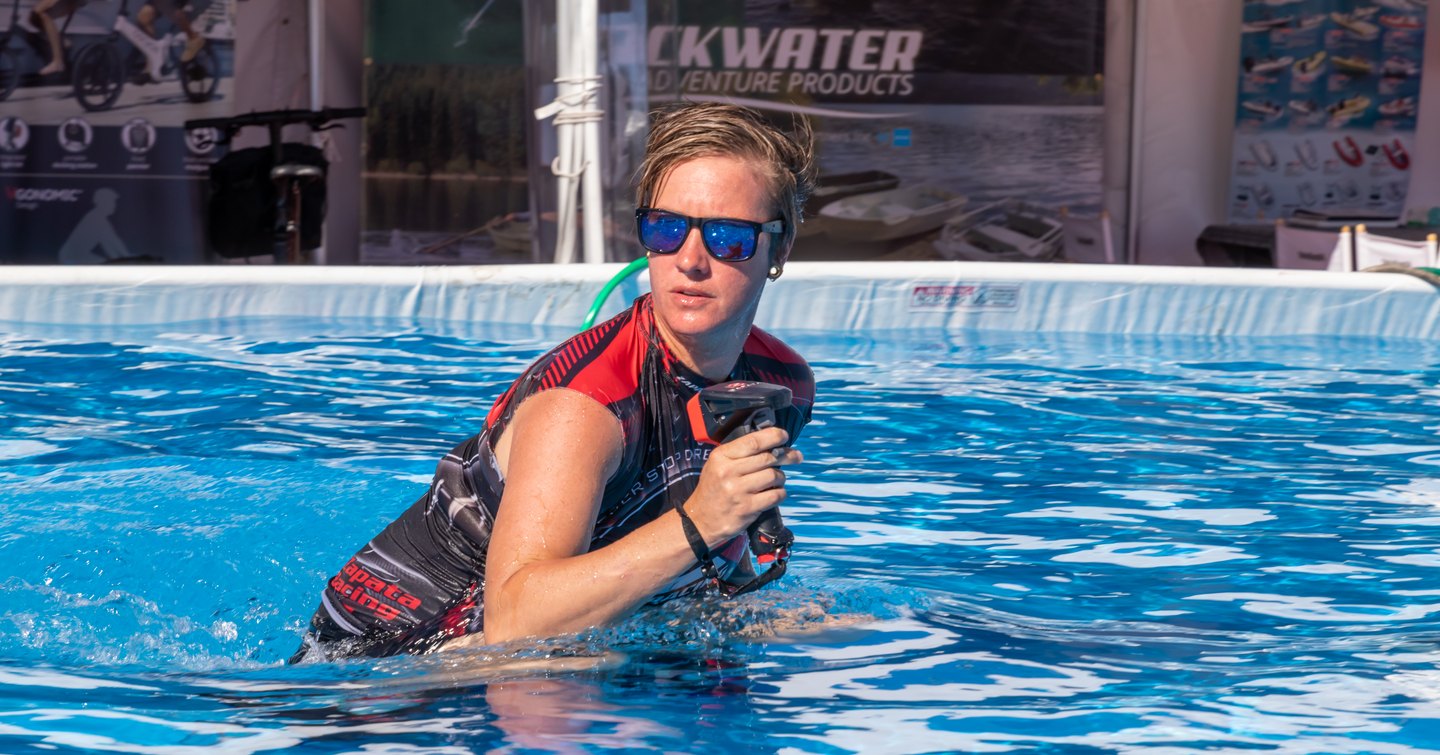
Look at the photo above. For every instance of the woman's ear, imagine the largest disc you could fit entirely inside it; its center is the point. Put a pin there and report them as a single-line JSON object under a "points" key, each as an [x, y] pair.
{"points": [[778, 258]]}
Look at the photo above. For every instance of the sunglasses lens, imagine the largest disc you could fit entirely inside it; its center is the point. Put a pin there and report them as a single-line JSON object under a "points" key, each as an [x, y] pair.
{"points": [[728, 240], [662, 232]]}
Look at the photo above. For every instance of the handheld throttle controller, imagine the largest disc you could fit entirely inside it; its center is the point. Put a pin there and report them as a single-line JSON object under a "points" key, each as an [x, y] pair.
{"points": [[724, 412]]}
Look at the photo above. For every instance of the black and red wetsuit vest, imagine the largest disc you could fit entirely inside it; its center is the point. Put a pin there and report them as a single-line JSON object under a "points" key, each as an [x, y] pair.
{"points": [[419, 582]]}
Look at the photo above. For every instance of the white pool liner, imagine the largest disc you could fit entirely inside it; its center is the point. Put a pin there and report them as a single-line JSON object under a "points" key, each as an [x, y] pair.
{"points": [[826, 296]]}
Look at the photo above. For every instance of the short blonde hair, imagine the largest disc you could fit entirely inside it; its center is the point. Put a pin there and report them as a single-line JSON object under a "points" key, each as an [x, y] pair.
{"points": [[689, 130]]}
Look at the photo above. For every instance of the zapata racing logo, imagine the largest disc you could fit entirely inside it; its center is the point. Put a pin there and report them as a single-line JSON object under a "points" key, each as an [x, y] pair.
{"points": [[368, 591]]}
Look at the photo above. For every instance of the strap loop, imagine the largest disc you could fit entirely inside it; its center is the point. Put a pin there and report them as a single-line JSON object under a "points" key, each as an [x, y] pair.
{"points": [[707, 561], [697, 545]]}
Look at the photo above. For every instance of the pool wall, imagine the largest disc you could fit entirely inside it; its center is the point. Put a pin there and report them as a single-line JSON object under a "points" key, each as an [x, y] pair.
{"points": [[860, 296]]}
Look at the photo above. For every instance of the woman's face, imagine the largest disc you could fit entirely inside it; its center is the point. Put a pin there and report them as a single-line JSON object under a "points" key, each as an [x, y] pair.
{"points": [[695, 295]]}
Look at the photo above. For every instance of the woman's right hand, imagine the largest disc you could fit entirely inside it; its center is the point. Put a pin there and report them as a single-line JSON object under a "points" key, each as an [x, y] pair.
{"points": [[740, 480]]}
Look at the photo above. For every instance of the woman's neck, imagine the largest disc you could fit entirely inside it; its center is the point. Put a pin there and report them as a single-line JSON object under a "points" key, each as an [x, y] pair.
{"points": [[711, 356]]}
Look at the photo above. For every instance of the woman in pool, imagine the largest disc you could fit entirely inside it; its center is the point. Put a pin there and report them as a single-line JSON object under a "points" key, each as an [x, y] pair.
{"points": [[568, 510]]}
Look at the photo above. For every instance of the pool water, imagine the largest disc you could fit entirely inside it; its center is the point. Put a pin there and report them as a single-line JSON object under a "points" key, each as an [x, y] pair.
{"points": [[1006, 543]]}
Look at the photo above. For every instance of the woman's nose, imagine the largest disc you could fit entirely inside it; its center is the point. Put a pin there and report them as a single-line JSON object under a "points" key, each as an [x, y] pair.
{"points": [[692, 258]]}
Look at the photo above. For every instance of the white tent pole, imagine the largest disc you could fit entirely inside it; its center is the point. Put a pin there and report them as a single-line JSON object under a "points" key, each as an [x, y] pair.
{"points": [[564, 165], [316, 30], [577, 130], [588, 30], [1138, 67], [317, 53]]}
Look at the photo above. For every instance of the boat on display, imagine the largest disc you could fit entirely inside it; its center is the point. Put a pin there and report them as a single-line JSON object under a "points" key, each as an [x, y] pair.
{"points": [[1399, 107], [1396, 154], [512, 234], [1266, 65], [1310, 67], [832, 188], [1349, 107], [1400, 66], [1353, 64], [1005, 231], [1398, 21], [1309, 157], [1263, 108], [1353, 23], [1267, 24], [891, 214]]}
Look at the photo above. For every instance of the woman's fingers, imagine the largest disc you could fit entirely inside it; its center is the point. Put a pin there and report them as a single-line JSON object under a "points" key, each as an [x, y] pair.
{"points": [[740, 479], [758, 442]]}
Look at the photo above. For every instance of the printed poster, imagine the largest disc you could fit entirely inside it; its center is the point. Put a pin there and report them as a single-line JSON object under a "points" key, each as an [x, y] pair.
{"points": [[1325, 121], [947, 129], [95, 165]]}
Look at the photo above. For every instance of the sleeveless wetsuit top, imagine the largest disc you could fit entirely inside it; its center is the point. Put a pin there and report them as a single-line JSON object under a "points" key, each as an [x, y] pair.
{"points": [[419, 582]]}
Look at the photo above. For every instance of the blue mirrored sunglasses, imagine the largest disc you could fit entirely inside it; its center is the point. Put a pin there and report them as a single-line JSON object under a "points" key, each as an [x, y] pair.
{"points": [[727, 239]]}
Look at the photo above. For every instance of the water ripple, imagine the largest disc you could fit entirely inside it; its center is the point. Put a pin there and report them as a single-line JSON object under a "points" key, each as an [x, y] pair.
{"points": [[1005, 543]]}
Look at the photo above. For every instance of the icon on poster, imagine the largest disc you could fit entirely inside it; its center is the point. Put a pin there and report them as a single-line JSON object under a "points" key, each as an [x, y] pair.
{"points": [[138, 136], [201, 141], [75, 135], [14, 134]]}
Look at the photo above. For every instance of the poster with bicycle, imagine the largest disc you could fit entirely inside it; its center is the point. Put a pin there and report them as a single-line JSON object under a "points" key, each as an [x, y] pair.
{"points": [[1328, 96], [95, 165]]}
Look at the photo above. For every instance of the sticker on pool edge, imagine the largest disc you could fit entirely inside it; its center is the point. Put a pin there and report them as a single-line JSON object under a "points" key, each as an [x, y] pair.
{"points": [[966, 296]]}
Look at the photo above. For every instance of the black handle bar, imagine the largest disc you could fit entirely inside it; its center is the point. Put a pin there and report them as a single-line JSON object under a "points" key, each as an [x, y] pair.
{"points": [[274, 121], [315, 118]]}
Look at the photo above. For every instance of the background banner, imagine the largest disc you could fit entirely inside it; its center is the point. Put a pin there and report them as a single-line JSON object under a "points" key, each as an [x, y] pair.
{"points": [[94, 163], [445, 138], [1325, 120], [952, 129]]}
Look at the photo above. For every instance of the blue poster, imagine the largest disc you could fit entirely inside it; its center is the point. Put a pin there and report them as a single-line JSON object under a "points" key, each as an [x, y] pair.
{"points": [[1325, 118], [95, 166]]}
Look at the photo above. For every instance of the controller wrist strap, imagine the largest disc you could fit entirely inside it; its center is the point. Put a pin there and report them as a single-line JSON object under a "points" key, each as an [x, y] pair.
{"points": [[697, 545]]}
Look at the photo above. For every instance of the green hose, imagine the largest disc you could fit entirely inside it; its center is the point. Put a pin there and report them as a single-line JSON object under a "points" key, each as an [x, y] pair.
{"points": [[604, 294]]}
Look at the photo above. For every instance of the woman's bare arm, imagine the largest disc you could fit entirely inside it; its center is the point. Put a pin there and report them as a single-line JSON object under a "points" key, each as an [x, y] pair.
{"points": [[561, 449]]}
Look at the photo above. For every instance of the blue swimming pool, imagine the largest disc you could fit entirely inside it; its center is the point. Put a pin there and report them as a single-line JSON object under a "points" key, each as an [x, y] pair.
{"points": [[1022, 543]]}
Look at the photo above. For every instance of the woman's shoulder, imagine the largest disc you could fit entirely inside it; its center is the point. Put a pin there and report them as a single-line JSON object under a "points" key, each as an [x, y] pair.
{"points": [[603, 362]]}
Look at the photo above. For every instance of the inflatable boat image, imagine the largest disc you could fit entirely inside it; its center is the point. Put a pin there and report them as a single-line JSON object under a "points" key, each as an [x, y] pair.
{"points": [[1264, 154], [891, 214], [1401, 107], [1267, 65], [1006, 231], [1399, 66], [1348, 108], [1396, 154], [1263, 108], [1349, 152], [1354, 65], [1397, 21], [1359, 29], [1266, 24], [1308, 156], [1309, 68]]}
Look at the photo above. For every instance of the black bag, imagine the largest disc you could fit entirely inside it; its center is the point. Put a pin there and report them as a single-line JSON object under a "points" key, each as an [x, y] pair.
{"points": [[243, 216]]}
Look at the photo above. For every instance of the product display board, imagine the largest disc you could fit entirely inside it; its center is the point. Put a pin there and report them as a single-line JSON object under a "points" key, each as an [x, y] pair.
{"points": [[946, 129], [95, 165], [1328, 96]]}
